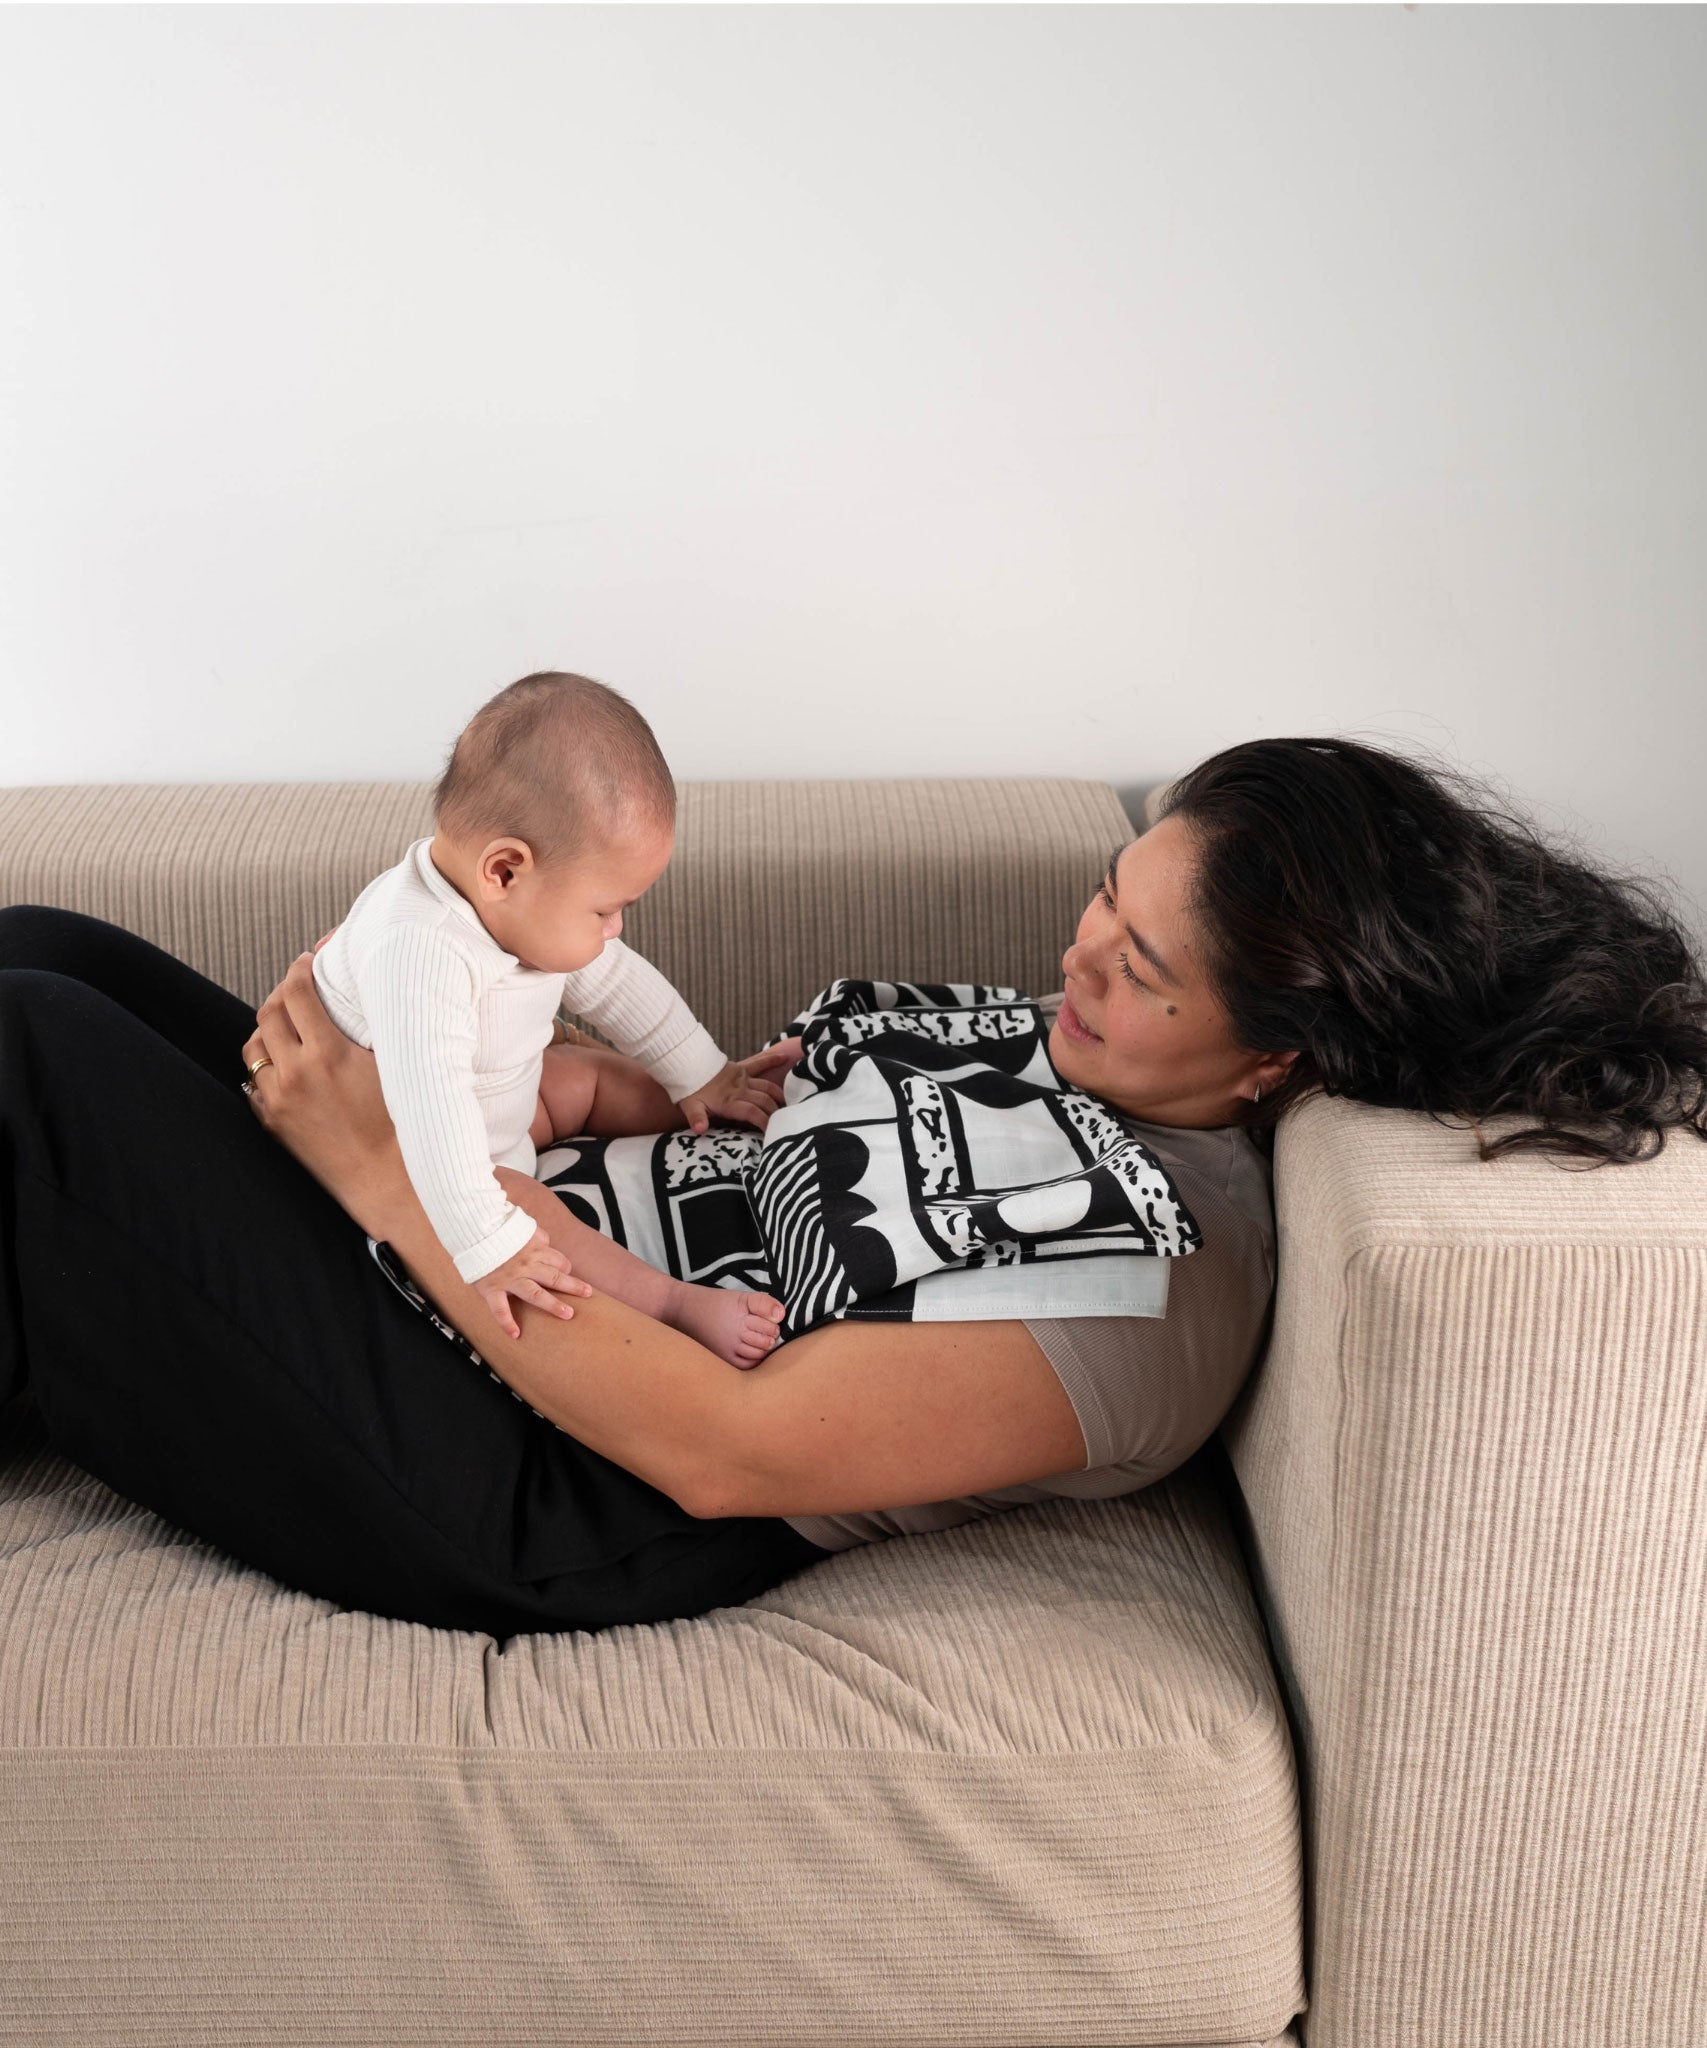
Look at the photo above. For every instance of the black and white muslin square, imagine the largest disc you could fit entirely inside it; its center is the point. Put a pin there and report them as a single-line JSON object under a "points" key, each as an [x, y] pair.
{"points": [[928, 1165]]}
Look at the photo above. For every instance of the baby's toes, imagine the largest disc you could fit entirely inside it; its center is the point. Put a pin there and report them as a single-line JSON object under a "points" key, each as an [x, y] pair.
{"points": [[765, 1305]]}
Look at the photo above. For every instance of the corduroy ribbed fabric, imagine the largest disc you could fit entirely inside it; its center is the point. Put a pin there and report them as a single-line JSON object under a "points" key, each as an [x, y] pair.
{"points": [[234, 878], [1475, 1460], [1024, 1782]]}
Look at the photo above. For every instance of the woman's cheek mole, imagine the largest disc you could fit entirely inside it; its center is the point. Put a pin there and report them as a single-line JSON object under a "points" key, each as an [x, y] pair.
{"points": [[1172, 1012]]}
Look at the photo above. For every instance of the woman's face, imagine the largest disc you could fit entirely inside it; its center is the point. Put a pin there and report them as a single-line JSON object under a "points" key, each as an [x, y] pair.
{"points": [[1140, 1027]]}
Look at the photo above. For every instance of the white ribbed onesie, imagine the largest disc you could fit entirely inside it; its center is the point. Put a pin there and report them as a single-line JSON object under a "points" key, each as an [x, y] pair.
{"points": [[459, 1029]]}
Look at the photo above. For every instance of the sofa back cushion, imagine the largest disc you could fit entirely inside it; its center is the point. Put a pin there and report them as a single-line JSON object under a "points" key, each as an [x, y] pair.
{"points": [[775, 888]]}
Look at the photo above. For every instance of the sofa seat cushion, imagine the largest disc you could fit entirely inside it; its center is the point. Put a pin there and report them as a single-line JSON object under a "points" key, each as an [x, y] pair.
{"points": [[1025, 1781]]}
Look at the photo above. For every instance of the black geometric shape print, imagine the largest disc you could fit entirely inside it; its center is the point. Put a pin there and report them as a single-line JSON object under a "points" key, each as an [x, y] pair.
{"points": [[699, 1184], [578, 1179], [866, 1256]]}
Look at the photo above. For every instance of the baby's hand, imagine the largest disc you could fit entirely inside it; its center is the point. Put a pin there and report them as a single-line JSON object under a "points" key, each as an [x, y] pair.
{"points": [[744, 1092], [534, 1270]]}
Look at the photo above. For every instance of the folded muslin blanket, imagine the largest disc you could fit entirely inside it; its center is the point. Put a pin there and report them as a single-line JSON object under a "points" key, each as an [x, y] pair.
{"points": [[928, 1165]]}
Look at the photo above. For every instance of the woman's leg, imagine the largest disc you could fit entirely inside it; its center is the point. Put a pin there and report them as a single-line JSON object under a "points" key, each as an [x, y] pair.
{"points": [[203, 1328], [203, 1020]]}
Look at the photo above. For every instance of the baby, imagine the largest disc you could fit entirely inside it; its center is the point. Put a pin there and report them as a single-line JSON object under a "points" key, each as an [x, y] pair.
{"points": [[555, 813]]}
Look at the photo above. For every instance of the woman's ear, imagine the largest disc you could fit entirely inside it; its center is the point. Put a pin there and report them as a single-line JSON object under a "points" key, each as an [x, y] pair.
{"points": [[1272, 1071]]}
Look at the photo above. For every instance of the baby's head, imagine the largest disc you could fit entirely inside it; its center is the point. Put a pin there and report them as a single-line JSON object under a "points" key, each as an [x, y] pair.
{"points": [[555, 811]]}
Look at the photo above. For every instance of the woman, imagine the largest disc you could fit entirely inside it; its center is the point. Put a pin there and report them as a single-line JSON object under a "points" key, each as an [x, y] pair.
{"points": [[203, 1328]]}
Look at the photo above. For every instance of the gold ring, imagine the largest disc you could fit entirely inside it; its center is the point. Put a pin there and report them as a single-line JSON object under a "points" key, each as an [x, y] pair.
{"points": [[265, 1060]]}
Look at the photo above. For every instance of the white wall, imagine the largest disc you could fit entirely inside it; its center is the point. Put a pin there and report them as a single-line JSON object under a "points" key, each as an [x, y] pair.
{"points": [[969, 390]]}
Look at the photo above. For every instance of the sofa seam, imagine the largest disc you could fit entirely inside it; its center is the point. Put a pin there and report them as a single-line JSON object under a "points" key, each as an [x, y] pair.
{"points": [[1186, 1746]]}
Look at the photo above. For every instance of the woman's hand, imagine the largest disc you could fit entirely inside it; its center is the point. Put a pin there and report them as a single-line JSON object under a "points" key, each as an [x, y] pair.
{"points": [[320, 1097]]}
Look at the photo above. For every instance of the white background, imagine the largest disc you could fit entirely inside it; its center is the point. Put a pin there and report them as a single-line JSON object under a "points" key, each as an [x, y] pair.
{"points": [[963, 390]]}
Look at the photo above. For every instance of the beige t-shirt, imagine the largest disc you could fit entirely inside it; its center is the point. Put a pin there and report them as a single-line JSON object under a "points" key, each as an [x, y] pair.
{"points": [[1148, 1390]]}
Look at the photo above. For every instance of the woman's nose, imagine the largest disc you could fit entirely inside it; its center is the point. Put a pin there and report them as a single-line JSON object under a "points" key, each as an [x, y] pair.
{"points": [[1077, 964]]}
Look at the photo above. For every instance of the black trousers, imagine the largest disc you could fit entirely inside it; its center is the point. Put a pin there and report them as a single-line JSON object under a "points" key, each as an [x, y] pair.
{"points": [[203, 1328]]}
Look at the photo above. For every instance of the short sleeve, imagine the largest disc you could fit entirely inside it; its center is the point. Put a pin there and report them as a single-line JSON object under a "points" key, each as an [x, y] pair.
{"points": [[1148, 1390]]}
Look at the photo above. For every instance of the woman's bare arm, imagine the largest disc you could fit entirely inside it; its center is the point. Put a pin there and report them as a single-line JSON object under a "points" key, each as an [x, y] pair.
{"points": [[854, 1417], [849, 1418]]}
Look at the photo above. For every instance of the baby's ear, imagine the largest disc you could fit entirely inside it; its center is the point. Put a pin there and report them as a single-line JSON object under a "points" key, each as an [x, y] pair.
{"points": [[502, 863]]}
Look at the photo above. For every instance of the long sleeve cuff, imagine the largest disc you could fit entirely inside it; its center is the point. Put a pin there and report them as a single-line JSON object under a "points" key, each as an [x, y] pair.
{"points": [[503, 1243], [687, 1066]]}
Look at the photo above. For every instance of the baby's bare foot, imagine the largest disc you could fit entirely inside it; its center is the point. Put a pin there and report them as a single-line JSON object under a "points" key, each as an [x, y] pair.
{"points": [[738, 1327]]}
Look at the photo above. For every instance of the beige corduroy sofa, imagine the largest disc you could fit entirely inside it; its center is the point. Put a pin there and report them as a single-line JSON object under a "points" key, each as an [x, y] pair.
{"points": [[1392, 1696]]}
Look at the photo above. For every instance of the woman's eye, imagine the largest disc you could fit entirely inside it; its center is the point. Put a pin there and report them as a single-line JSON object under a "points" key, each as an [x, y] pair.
{"points": [[1125, 964]]}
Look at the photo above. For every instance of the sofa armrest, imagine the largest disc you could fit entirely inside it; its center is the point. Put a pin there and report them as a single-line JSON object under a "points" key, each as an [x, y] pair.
{"points": [[1473, 1462]]}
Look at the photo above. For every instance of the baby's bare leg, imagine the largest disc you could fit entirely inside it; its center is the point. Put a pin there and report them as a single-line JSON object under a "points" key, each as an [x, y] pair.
{"points": [[587, 1088], [568, 1083], [738, 1326]]}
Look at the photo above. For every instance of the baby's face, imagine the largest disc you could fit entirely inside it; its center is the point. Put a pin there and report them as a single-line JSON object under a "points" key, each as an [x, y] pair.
{"points": [[571, 911]]}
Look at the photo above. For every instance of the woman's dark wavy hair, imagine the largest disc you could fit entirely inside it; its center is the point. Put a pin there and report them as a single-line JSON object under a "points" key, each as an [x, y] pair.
{"points": [[1428, 951]]}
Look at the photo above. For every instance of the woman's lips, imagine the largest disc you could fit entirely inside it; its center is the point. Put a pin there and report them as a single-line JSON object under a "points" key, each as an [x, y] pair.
{"points": [[1075, 1027]]}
